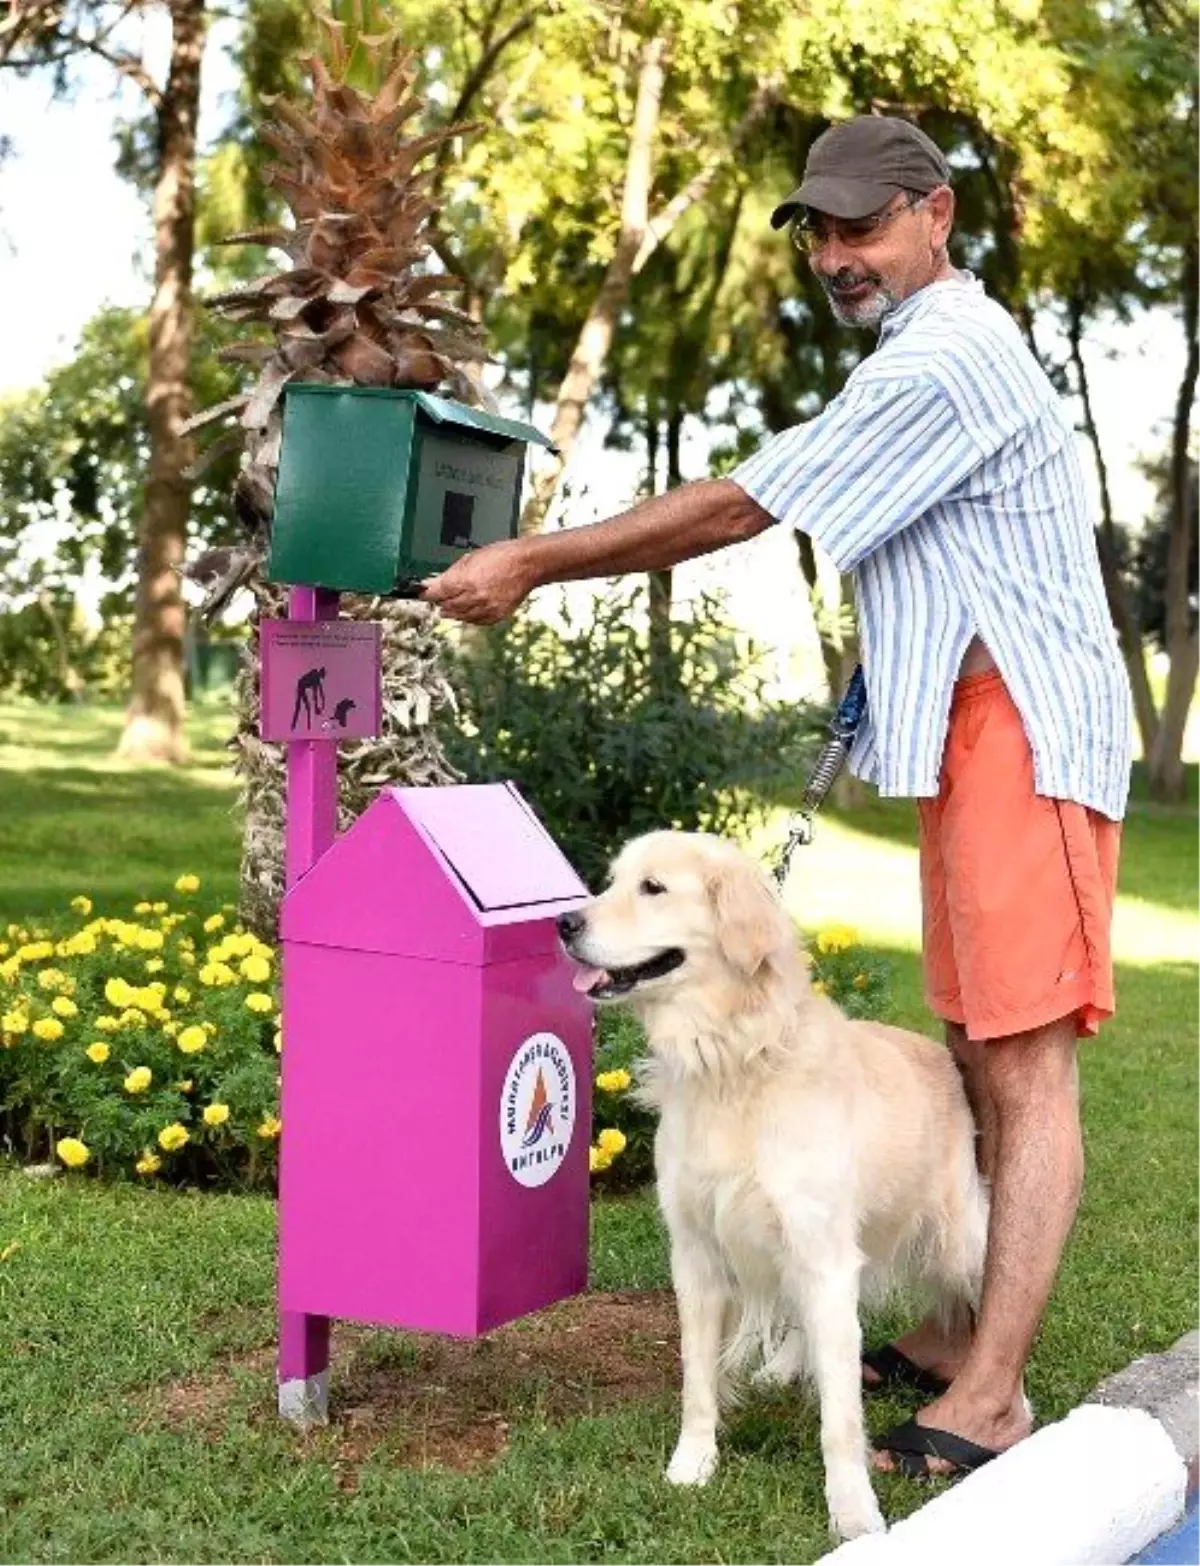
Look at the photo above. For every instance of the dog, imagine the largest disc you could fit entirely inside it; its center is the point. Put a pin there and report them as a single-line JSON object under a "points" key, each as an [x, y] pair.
{"points": [[804, 1161]]}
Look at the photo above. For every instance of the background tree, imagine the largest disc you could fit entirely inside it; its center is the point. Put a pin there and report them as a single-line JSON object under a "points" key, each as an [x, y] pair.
{"points": [[51, 36]]}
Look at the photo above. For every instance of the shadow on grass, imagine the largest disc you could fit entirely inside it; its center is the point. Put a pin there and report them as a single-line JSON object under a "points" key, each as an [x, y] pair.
{"points": [[115, 835], [1159, 842]]}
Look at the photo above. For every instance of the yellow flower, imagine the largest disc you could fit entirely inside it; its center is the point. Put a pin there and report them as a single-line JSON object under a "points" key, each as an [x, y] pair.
{"points": [[64, 1006], [117, 992], [182, 994], [10, 969], [73, 1152], [153, 964], [185, 1087], [149, 1163], [188, 883], [82, 905], [52, 979], [150, 998], [611, 1141], [14, 1022], [141, 908], [107, 1023], [837, 938], [170, 1029], [150, 940], [613, 1081], [188, 959], [820, 987], [48, 1028], [171, 1138], [216, 1114], [98, 1053], [81, 944], [257, 1001], [131, 1017], [139, 1079], [217, 974], [35, 951], [861, 981], [214, 922], [192, 1039], [158, 908], [257, 969], [598, 1160], [270, 1127]]}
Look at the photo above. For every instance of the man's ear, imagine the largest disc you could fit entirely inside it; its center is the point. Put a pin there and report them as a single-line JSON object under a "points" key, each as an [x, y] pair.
{"points": [[748, 918], [941, 210]]}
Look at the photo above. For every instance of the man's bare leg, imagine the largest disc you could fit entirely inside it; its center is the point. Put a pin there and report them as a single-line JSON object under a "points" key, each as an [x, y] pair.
{"points": [[935, 1345], [1033, 1083]]}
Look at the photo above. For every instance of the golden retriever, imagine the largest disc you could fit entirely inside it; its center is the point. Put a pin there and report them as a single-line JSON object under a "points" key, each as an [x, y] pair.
{"points": [[802, 1158]]}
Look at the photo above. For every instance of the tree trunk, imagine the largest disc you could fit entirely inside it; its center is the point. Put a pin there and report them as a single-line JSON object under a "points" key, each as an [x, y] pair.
{"points": [[596, 337], [154, 721], [662, 670], [1128, 631], [1166, 758]]}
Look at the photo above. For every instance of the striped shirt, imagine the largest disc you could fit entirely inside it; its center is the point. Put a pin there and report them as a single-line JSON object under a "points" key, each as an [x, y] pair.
{"points": [[945, 477]]}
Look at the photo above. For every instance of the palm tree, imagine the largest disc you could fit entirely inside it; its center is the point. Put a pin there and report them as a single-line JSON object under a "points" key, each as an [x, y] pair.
{"points": [[358, 305]]}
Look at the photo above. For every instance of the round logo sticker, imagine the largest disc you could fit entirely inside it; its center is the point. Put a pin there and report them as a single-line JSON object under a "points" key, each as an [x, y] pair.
{"points": [[537, 1109]]}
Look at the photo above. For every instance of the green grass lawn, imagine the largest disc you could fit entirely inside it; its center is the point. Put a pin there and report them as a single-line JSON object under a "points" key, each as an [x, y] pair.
{"points": [[136, 1389]]}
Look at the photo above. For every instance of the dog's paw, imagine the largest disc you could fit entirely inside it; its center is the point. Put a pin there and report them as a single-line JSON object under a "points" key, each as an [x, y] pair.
{"points": [[853, 1510], [693, 1463]]}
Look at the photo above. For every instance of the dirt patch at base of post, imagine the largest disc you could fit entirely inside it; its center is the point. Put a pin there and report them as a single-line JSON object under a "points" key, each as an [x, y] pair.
{"points": [[450, 1402]]}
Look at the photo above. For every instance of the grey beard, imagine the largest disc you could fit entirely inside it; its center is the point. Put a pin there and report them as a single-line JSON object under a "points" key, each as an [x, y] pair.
{"points": [[869, 313]]}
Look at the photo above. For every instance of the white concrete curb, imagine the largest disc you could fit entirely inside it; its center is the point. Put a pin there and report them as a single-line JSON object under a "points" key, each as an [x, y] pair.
{"points": [[1091, 1490]]}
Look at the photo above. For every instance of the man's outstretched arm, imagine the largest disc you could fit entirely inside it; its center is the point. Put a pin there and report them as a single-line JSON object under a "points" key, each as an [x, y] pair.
{"points": [[694, 519]]}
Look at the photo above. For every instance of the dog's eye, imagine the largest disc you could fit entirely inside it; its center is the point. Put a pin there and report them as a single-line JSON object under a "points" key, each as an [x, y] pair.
{"points": [[650, 888]]}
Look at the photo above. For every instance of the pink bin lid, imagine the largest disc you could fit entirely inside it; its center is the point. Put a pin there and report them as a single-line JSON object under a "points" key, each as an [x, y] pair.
{"points": [[494, 843]]}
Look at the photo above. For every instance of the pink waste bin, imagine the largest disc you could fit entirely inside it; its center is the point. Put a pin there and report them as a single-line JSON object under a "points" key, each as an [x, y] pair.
{"points": [[437, 1070]]}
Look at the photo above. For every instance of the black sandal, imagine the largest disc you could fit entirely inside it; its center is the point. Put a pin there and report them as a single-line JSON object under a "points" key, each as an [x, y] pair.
{"points": [[895, 1369], [910, 1444]]}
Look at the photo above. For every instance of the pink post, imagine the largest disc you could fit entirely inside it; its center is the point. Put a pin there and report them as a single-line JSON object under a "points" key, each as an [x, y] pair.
{"points": [[311, 826]]}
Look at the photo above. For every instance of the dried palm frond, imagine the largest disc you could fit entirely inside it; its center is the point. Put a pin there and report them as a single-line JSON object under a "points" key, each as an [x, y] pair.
{"points": [[360, 304]]}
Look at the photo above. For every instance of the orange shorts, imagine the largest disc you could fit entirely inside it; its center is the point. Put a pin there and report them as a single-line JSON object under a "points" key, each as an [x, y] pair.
{"points": [[1016, 889]]}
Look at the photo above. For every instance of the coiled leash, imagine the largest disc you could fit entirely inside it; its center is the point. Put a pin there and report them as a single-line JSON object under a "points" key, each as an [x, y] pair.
{"points": [[842, 728]]}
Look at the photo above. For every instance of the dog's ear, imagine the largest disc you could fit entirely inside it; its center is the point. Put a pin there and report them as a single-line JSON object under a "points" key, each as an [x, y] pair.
{"points": [[747, 916]]}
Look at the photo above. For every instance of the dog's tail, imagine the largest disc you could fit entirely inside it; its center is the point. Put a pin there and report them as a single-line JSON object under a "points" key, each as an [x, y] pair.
{"points": [[764, 1341]]}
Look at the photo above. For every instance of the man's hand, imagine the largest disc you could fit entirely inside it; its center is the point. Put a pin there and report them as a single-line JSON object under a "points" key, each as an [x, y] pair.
{"points": [[484, 586]]}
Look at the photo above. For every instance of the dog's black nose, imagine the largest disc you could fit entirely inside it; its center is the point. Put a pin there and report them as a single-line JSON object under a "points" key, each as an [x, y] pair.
{"points": [[570, 925]]}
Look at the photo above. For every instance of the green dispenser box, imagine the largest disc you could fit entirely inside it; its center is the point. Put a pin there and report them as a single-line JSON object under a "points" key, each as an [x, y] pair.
{"points": [[378, 489]]}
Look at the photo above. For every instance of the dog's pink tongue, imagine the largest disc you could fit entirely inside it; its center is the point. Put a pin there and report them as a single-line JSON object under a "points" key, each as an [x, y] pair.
{"points": [[586, 979]]}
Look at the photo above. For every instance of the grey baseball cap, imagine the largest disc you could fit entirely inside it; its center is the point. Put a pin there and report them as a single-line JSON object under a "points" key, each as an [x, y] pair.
{"points": [[857, 166]]}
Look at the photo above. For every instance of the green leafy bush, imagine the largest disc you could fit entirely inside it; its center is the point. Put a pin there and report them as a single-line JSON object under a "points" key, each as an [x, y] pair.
{"points": [[606, 742]]}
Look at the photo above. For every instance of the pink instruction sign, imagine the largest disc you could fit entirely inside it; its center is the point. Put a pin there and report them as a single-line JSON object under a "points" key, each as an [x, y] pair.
{"points": [[320, 680]]}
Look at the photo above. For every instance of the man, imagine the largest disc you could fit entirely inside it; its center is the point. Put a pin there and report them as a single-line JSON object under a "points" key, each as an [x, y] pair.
{"points": [[945, 477]]}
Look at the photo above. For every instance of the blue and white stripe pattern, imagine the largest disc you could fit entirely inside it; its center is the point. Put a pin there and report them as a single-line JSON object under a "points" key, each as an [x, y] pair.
{"points": [[945, 476]]}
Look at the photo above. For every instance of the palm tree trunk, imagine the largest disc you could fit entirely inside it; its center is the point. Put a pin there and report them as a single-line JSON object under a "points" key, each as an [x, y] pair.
{"points": [[416, 697], [154, 721]]}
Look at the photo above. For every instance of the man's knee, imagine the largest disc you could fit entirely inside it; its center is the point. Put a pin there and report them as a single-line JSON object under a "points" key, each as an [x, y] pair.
{"points": [[967, 1052], [1038, 1066]]}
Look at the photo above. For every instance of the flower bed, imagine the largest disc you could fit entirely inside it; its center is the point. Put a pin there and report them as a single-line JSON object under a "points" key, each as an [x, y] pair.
{"points": [[147, 1048]]}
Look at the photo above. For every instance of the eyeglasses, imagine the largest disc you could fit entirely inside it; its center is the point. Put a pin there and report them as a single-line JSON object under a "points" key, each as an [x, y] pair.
{"points": [[812, 233]]}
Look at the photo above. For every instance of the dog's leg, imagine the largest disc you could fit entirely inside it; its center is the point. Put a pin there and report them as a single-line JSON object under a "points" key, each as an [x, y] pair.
{"points": [[701, 1294], [828, 1301]]}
